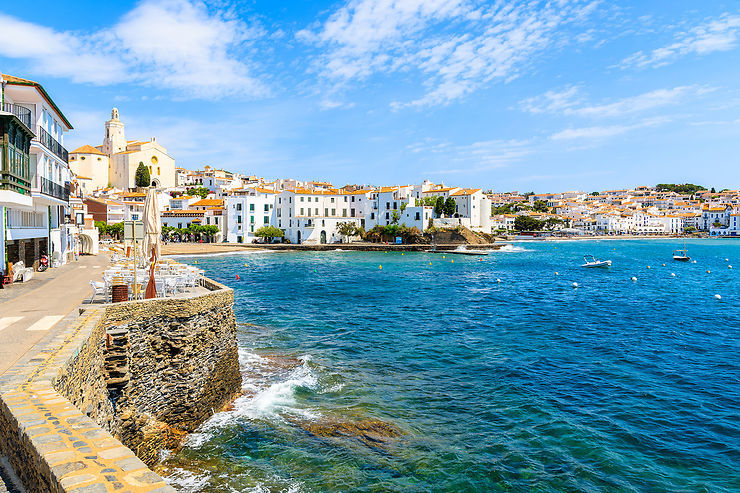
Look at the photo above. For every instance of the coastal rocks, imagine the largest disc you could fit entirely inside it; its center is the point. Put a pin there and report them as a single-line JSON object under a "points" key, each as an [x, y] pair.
{"points": [[371, 432]]}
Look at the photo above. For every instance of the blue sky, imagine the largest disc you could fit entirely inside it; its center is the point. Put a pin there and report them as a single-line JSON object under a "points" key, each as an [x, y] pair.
{"points": [[542, 96]]}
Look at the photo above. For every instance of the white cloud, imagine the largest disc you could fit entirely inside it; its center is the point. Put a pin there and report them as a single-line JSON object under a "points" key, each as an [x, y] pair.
{"points": [[457, 46], [475, 157], [600, 132], [567, 102], [722, 34], [178, 45]]}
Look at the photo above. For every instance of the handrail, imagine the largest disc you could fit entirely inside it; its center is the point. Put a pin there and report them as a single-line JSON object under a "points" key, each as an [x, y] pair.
{"points": [[51, 143], [23, 114], [55, 190]]}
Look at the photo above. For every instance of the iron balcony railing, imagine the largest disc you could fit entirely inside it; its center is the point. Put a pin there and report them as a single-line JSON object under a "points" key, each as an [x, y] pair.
{"points": [[55, 190], [51, 143], [23, 114]]}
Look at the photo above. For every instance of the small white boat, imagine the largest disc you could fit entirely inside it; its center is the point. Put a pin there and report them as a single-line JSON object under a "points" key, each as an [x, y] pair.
{"points": [[592, 262], [682, 255]]}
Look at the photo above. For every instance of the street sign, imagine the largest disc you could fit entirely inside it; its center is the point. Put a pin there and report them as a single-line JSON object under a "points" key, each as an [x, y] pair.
{"points": [[131, 227]]}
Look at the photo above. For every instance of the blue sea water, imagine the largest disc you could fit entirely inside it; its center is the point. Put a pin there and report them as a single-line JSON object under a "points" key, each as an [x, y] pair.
{"points": [[457, 382]]}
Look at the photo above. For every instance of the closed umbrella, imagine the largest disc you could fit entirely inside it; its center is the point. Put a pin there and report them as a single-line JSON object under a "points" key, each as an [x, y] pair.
{"points": [[152, 244]]}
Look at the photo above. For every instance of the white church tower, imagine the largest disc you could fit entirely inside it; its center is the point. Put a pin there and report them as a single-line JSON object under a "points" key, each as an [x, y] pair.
{"points": [[114, 141]]}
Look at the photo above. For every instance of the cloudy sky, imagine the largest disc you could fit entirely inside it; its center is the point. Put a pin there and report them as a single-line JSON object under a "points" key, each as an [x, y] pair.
{"points": [[507, 95]]}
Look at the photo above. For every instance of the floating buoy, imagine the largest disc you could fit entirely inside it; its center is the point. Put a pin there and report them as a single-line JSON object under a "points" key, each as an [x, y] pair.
{"points": [[196, 261], [380, 267], [237, 277], [709, 271], [557, 274], [634, 279], [575, 284], [718, 296], [727, 260], [498, 280], [663, 265], [444, 256], [401, 253], [693, 262], [729, 267], [245, 265], [648, 266], [673, 275], [430, 263], [452, 261]]}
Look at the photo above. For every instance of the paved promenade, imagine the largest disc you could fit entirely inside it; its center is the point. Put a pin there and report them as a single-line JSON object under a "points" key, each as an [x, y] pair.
{"points": [[28, 312]]}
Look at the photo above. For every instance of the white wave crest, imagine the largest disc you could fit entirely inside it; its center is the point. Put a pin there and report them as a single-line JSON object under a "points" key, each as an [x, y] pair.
{"points": [[509, 248], [188, 481]]}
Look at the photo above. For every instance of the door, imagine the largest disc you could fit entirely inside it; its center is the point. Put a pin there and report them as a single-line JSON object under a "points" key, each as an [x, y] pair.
{"points": [[323, 237]]}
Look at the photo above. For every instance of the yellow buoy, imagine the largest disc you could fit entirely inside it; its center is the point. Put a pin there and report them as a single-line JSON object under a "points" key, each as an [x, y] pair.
{"points": [[444, 256], [430, 263], [245, 265], [401, 253], [380, 267], [196, 261], [452, 261]]}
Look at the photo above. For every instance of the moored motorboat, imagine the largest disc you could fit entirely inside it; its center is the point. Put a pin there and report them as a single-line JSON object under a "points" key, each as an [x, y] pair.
{"points": [[592, 262]]}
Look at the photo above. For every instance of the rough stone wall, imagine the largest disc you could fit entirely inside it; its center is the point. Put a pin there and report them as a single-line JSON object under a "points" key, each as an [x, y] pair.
{"points": [[175, 364], [83, 382]]}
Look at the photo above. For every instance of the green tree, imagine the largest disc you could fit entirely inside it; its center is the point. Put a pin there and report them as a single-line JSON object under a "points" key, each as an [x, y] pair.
{"points": [[201, 192], [595, 193], [527, 223], [712, 190], [142, 178], [687, 188], [115, 230], [540, 206], [269, 232], [403, 206], [102, 227], [348, 229], [450, 207], [439, 205], [395, 217]]}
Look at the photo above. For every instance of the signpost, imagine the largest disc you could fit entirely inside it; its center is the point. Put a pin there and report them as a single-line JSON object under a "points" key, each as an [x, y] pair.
{"points": [[133, 231]]}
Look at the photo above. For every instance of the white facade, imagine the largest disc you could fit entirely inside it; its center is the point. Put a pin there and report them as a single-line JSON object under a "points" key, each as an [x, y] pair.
{"points": [[247, 212]]}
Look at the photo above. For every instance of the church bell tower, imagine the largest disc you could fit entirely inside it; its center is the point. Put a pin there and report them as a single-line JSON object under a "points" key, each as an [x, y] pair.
{"points": [[115, 140]]}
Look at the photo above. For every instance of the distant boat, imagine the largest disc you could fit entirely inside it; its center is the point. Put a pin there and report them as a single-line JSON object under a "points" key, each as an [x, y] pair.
{"points": [[592, 262], [681, 255]]}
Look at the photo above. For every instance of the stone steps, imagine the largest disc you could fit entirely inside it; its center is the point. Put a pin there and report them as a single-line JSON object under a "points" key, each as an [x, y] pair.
{"points": [[8, 480]]}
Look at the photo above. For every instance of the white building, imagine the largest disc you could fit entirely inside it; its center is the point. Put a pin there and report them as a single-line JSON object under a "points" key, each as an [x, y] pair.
{"points": [[247, 211], [34, 175]]}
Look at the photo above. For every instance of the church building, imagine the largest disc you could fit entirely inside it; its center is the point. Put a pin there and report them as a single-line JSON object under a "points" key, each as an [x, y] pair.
{"points": [[122, 158]]}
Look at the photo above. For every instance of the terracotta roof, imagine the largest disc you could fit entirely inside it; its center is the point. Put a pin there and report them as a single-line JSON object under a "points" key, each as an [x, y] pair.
{"points": [[208, 203], [183, 212], [87, 149]]}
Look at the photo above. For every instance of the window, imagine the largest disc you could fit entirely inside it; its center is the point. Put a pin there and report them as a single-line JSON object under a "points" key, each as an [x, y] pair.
{"points": [[280, 223], [387, 205], [417, 216], [251, 219], [326, 212], [157, 168], [309, 212], [344, 212], [82, 158], [352, 213], [279, 213], [267, 219], [155, 160], [317, 211], [387, 216], [251, 229], [345, 199], [333, 212], [332, 200], [301, 211], [239, 219], [395, 205], [301, 199], [238, 207], [267, 207], [179, 225], [251, 207], [239, 239], [280, 200]]}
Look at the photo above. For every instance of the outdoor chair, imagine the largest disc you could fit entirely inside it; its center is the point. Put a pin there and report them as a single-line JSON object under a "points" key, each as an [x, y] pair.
{"points": [[98, 288]]}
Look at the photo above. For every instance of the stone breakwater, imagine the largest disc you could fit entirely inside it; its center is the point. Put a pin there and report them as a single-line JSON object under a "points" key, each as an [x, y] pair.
{"points": [[93, 403]]}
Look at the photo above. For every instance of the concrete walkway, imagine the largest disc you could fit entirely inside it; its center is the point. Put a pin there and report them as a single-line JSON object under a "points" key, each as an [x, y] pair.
{"points": [[27, 313]]}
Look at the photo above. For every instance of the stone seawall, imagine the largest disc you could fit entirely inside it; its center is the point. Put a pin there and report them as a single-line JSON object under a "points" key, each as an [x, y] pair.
{"points": [[118, 379]]}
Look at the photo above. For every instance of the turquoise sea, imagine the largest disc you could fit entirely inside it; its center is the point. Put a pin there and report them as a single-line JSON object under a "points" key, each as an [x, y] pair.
{"points": [[419, 377]]}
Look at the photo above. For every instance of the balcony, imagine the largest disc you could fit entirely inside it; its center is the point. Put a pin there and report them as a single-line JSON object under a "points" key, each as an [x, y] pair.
{"points": [[51, 143], [55, 190], [23, 114]]}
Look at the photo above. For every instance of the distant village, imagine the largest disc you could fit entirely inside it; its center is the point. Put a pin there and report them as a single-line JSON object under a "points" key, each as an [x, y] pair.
{"points": [[57, 203]]}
